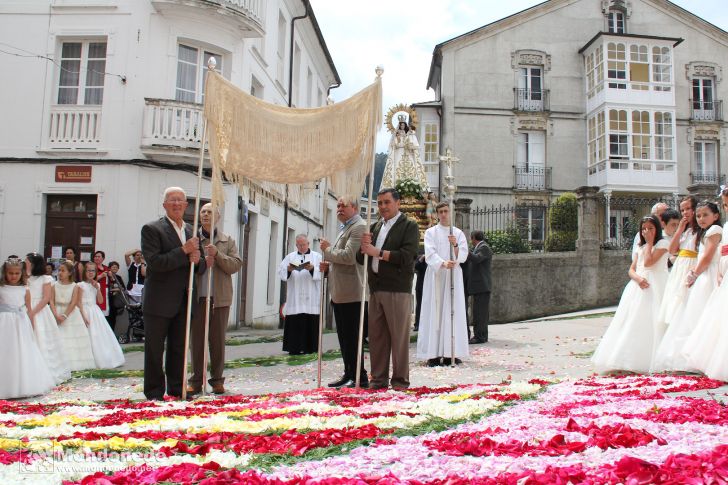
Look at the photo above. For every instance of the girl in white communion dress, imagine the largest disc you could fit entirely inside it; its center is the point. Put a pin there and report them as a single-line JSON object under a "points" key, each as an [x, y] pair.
{"points": [[25, 372], [632, 337]]}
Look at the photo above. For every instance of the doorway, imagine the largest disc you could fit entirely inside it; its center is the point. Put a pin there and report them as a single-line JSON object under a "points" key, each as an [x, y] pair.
{"points": [[70, 221]]}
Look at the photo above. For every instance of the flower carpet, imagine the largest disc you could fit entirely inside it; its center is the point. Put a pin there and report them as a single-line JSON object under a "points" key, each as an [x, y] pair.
{"points": [[596, 430]]}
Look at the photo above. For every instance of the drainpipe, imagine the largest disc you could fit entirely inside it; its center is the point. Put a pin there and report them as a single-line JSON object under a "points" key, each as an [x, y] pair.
{"points": [[285, 200]]}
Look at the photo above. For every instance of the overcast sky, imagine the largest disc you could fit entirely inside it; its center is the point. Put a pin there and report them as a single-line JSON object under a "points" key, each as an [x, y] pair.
{"points": [[401, 35]]}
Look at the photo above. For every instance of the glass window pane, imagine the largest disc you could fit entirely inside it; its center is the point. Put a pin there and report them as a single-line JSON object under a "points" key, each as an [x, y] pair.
{"points": [[97, 50], [71, 50]]}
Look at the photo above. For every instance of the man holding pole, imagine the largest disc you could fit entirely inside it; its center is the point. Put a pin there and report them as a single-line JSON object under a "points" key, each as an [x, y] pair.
{"points": [[445, 249], [223, 261], [392, 246], [346, 278], [169, 248]]}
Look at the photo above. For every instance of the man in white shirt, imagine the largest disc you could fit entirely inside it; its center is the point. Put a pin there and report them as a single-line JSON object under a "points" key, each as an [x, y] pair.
{"points": [[391, 245]]}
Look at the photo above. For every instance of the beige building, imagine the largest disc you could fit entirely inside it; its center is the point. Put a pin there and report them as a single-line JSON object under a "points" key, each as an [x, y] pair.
{"points": [[626, 96]]}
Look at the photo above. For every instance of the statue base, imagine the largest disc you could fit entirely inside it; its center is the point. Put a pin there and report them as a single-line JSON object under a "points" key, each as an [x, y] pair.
{"points": [[416, 209]]}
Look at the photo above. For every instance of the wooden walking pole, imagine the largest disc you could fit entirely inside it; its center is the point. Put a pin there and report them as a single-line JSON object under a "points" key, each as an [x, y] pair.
{"points": [[208, 310], [448, 159], [360, 344], [190, 284], [323, 306]]}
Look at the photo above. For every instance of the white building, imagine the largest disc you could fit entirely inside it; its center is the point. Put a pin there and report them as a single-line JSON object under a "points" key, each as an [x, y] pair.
{"points": [[625, 95], [102, 111]]}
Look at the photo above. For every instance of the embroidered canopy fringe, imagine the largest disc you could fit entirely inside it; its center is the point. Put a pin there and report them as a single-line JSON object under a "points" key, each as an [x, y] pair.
{"points": [[249, 138]]}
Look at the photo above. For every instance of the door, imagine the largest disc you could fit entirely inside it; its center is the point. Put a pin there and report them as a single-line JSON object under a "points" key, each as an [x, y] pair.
{"points": [[71, 221], [530, 89], [706, 163], [703, 105]]}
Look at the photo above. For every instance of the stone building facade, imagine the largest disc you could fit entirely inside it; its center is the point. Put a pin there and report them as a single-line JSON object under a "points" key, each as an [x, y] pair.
{"points": [[623, 95]]}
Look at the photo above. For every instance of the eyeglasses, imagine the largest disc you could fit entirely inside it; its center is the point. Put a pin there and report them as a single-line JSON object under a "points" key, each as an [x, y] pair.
{"points": [[175, 201]]}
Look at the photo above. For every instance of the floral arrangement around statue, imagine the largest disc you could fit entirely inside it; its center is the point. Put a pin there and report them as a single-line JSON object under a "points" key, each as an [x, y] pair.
{"points": [[409, 189]]}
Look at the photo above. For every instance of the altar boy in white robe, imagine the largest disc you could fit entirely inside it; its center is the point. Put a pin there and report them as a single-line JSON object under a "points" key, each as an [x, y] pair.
{"points": [[434, 337]]}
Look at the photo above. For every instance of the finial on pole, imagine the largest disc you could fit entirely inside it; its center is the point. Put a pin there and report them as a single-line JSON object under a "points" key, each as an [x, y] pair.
{"points": [[379, 70], [211, 63], [448, 159]]}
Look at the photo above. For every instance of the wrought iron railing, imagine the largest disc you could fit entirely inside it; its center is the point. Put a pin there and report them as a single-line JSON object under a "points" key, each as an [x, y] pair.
{"points": [[531, 99], [707, 178], [531, 178], [523, 228], [625, 213], [706, 110]]}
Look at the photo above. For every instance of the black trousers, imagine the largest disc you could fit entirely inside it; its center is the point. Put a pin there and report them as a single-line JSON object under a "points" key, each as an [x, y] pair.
{"points": [[300, 334], [347, 329], [481, 315], [157, 330]]}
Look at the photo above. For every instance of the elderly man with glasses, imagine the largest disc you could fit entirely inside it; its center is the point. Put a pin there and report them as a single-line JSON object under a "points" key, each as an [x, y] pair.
{"points": [[346, 279], [169, 247]]}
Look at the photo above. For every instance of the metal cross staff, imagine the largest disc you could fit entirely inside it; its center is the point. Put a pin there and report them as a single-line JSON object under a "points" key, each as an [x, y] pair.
{"points": [[449, 191]]}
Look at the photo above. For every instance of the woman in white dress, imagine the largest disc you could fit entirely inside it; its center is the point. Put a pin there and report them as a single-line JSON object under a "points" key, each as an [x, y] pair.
{"points": [[684, 245], [106, 349], [707, 347], [632, 336], [65, 304], [701, 281], [46, 330], [25, 372]]}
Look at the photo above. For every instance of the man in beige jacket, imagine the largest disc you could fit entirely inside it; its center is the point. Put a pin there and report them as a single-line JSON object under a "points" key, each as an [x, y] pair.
{"points": [[223, 259], [346, 279]]}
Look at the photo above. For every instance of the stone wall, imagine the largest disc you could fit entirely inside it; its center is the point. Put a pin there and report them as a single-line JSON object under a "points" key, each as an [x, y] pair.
{"points": [[535, 285]]}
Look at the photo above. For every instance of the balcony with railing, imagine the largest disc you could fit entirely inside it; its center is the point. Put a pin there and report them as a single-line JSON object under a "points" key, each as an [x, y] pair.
{"points": [[642, 175], [530, 99], [246, 15], [75, 127], [706, 110], [531, 178], [707, 178], [171, 128]]}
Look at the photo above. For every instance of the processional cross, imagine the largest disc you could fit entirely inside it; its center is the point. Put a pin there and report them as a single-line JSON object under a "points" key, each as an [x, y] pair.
{"points": [[449, 189]]}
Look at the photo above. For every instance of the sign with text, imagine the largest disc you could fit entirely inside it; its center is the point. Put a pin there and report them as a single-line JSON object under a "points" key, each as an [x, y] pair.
{"points": [[73, 173]]}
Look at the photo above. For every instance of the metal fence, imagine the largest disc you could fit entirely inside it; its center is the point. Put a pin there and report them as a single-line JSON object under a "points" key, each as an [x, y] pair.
{"points": [[619, 225], [523, 228]]}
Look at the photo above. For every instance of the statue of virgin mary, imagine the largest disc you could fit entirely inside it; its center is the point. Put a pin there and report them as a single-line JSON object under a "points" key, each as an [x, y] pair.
{"points": [[403, 155]]}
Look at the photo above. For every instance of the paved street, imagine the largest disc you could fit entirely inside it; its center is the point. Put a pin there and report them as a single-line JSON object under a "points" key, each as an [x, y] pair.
{"points": [[552, 348]]}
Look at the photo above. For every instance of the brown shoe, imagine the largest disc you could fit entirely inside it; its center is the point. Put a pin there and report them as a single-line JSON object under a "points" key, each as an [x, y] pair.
{"points": [[192, 390], [218, 389]]}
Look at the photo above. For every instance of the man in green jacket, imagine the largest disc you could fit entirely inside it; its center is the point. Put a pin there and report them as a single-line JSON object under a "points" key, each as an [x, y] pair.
{"points": [[223, 259], [391, 245]]}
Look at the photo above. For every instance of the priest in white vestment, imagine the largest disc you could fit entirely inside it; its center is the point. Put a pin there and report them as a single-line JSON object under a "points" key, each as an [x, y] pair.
{"points": [[434, 337], [300, 269]]}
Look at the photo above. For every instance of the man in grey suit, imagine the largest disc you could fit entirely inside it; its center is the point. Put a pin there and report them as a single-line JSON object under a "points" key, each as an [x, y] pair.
{"points": [[346, 279], [479, 285], [169, 248]]}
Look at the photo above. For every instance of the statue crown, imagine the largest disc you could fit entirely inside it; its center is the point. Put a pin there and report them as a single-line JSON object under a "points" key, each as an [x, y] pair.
{"points": [[402, 118]]}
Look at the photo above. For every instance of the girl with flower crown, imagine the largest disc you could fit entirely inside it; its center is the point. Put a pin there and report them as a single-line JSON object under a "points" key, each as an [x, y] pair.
{"points": [[25, 372]]}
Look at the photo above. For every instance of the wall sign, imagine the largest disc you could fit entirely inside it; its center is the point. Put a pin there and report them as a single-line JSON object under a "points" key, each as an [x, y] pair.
{"points": [[73, 173]]}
